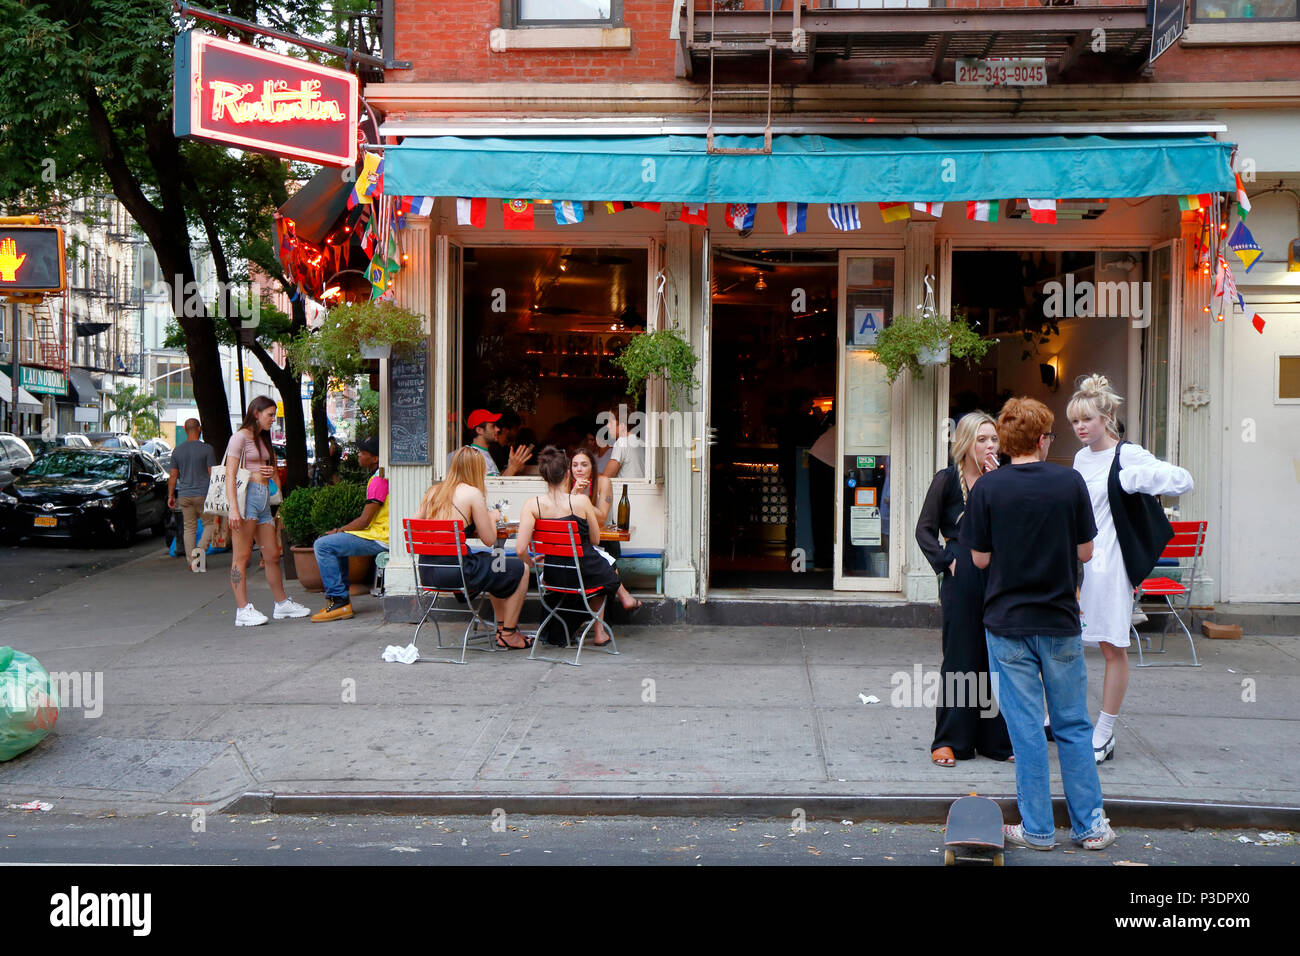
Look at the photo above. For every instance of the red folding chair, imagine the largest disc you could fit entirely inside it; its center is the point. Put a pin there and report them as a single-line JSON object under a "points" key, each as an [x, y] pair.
{"points": [[445, 539], [559, 547], [1187, 544]]}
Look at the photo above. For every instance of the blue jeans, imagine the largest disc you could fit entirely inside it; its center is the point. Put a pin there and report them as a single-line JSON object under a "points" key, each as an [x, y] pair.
{"points": [[1024, 668], [332, 552], [256, 507]]}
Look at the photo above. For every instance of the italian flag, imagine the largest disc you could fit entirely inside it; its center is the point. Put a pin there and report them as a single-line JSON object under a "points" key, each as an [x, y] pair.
{"points": [[471, 212], [517, 213], [1042, 210], [894, 211], [929, 208], [982, 210]]}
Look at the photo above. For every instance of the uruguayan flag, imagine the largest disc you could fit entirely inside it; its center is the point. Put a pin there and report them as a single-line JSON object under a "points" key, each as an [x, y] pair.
{"points": [[844, 216]]}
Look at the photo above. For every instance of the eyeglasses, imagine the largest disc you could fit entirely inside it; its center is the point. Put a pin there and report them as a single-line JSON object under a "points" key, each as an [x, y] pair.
{"points": [[1050, 436]]}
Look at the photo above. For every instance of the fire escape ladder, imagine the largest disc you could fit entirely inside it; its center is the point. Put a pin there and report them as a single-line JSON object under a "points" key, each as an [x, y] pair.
{"points": [[714, 45], [49, 342]]}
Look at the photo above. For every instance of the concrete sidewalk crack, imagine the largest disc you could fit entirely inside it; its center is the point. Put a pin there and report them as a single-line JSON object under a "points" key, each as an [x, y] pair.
{"points": [[818, 732]]}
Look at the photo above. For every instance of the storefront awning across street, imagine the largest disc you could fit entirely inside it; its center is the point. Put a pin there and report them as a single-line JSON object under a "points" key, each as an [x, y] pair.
{"points": [[27, 402], [808, 168]]}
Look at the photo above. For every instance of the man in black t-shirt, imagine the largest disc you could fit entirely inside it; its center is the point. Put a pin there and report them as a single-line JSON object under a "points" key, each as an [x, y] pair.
{"points": [[1027, 524]]}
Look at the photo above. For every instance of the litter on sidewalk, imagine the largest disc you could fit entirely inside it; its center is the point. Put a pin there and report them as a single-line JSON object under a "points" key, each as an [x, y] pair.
{"points": [[401, 655]]}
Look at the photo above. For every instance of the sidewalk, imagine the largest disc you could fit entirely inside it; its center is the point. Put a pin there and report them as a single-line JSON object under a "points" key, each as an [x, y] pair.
{"points": [[195, 711]]}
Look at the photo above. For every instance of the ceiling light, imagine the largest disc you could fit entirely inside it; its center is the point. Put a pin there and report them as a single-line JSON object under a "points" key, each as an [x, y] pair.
{"points": [[760, 285]]}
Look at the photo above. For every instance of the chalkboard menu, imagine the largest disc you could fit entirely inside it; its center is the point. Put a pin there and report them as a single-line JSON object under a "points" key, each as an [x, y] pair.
{"points": [[408, 404]]}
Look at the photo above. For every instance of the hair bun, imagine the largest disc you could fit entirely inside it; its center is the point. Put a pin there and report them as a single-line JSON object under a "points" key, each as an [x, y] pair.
{"points": [[1093, 384]]}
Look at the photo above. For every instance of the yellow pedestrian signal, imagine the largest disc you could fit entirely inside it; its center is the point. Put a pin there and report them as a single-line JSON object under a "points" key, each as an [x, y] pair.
{"points": [[248, 374]]}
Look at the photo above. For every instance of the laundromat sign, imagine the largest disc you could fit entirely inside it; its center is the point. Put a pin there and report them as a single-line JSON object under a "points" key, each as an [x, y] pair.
{"points": [[42, 380], [233, 94]]}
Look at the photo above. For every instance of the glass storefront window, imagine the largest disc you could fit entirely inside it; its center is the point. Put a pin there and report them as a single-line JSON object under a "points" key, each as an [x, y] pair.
{"points": [[541, 326], [1208, 11], [866, 421]]}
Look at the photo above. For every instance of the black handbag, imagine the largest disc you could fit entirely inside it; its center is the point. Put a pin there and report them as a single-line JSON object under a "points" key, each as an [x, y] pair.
{"points": [[1141, 527]]}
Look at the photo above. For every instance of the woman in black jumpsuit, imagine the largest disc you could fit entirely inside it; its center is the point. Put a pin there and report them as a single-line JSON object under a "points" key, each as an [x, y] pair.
{"points": [[962, 731]]}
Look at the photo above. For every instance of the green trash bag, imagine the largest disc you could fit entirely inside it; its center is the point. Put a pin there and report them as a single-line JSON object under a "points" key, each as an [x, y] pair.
{"points": [[29, 704]]}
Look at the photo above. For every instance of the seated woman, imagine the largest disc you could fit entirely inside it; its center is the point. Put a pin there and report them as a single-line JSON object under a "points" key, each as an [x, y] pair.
{"points": [[462, 496], [583, 479], [553, 465]]}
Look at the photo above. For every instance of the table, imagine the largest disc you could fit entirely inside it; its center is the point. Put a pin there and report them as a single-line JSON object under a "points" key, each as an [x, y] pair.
{"points": [[606, 534]]}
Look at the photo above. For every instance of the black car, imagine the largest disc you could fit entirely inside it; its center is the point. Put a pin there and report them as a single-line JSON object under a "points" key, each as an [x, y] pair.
{"points": [[85, 493]]}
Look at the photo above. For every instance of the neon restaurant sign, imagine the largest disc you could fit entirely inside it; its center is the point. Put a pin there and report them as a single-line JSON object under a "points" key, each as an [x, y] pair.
{"points": [[233, 94]]}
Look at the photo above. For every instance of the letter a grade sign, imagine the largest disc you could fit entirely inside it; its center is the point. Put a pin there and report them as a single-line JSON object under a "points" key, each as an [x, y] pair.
{"points": [[233, 94]]}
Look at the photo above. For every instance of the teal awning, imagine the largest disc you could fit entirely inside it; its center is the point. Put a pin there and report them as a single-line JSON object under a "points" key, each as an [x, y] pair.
{"points": [[812, 168]]}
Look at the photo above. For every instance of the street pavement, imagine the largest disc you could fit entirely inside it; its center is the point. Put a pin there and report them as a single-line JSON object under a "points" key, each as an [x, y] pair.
{"points": [[194, 711]]}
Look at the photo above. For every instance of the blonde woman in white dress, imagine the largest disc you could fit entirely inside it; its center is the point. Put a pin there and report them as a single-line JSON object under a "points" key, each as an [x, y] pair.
{"points": [[1106, 598]]}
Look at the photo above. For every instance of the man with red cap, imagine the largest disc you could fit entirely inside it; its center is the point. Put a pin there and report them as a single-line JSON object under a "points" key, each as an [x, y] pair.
{"points": [[484, 426]]}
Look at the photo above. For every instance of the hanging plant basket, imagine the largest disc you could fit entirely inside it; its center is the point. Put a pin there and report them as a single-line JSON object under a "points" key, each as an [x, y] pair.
{"points": [[663, 354], [913, 341], [376, 350]]}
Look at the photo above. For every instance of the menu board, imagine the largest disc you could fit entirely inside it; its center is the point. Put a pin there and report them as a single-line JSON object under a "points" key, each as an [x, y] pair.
{"points": [[408, 406]]}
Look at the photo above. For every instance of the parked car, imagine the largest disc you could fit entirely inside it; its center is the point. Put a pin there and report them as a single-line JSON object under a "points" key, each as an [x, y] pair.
{"points": [[113, 440], [40, 446], [14, 453], [160, 451], [88, 494]]}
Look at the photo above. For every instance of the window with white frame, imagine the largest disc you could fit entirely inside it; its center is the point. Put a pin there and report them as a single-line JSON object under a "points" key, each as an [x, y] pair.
{"points": [[551, 13]]}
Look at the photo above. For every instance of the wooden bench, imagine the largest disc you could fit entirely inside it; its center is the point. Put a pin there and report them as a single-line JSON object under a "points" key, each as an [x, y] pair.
{"points": [[643, 561]]}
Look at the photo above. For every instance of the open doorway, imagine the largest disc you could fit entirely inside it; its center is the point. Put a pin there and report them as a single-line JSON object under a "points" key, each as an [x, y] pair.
{"points": [[1058, 315], [771, 520]]}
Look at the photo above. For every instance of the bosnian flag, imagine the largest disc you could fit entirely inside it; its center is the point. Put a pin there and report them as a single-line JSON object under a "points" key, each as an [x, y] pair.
{"points": [[471, 212], [567, 212], [894, 211], [793, 216], [1243, 201], [697, 213], [844, 216], [1042, 210], [982, 210], [740, 215], [929, 208]]}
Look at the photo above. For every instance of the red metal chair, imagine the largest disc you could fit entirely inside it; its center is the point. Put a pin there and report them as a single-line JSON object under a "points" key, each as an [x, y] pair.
{"points": [[1188, 543], [445, 539], [558, 546]]}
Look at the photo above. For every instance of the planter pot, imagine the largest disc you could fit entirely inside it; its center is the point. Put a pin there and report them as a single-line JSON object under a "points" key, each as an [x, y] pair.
{"points": [[376, 350], [304, 560], [933, 356], [360, 570]]}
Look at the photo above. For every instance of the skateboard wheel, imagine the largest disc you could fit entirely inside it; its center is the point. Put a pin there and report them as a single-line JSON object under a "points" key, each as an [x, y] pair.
{"points": [[997, 859], [949, 857]]}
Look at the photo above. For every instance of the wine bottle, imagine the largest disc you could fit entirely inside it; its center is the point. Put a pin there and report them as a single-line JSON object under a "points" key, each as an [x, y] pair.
{"points": [[624, 511]]}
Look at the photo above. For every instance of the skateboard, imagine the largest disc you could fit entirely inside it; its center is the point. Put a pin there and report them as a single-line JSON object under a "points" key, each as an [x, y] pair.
{"points": [[974, 831]]}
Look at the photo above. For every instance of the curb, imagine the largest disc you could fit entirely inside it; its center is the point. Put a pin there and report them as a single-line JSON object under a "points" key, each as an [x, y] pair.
{"points": [[919, 808]]}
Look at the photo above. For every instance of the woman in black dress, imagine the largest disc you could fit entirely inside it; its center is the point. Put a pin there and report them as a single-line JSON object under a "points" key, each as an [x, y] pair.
{"points": [[553, 466], [462, 497], [962, 726]]}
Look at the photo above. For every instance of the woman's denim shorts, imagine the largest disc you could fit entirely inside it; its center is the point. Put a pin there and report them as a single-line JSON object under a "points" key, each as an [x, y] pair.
{"points": [[255, 506]]}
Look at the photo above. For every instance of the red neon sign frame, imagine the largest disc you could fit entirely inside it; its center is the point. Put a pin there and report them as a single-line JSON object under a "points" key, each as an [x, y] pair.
{"points": [[233, 94]]}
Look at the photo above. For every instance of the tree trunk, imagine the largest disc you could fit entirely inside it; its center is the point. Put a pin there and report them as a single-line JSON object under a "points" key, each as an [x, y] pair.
{"points": [[319, 420]]}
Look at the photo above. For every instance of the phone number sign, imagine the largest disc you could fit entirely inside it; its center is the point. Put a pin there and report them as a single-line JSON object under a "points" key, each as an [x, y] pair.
{"points": [[1002, 71]]}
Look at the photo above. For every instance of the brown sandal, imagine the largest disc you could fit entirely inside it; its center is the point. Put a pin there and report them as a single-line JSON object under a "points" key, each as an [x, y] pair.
{"points": [[943, 757]]}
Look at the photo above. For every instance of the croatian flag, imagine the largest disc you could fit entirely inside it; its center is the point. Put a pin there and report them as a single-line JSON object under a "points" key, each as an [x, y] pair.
{"points": [[844, 216], [740, 215], [982, 210], [697, 213], [929, 208], [793, 216], [1042, 210], [471, 212], [894, 211], [567, 212]]}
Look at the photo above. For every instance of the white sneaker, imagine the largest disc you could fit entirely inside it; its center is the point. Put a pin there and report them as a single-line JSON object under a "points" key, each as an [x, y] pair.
{"points": [[249, 616], [288, 608], [1099, 842]]}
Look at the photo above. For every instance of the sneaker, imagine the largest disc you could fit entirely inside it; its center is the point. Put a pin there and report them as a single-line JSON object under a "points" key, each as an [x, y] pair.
{"points": [[1015, 835], [249, 616], [1106, 751], [288, 608], [339, 609], [1102, 840]]}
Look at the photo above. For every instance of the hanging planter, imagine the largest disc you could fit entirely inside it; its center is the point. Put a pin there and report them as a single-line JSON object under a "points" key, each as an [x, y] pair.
{"points": [[371, 349], [913, 341], [663, 354]]}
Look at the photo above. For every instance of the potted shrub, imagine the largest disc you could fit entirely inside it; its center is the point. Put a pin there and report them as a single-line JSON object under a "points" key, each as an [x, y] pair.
{"points": [[333, 507], [663, 354], [295, 514], [910, 341]]}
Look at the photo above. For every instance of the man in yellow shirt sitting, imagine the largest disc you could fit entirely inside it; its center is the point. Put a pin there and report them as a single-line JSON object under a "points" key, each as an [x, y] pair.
{"points": [[366, 535]]}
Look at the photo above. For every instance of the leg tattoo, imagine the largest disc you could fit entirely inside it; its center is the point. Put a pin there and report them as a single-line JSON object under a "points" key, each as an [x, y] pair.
{"points": [[235, 576]]}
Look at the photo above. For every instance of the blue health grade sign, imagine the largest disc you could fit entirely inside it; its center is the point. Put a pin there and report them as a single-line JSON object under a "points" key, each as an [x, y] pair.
{"points": [[1167, 18], [233, 94]]}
